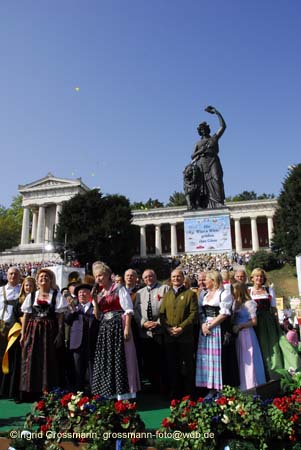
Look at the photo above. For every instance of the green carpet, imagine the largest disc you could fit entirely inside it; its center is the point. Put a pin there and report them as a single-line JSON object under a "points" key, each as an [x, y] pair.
{"points": [[151, 407], [12, 414]]}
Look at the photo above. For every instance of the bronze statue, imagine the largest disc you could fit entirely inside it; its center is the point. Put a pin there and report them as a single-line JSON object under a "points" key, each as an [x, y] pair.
{"points": [[206, 158], [194, 187]]}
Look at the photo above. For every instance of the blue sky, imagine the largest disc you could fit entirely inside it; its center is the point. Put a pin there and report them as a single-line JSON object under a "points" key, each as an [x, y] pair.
{"points": [[146, 69]]}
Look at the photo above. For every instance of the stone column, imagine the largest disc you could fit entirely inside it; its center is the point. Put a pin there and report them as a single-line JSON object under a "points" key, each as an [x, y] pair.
{"points": [[34, 225], [142, 241], [270, 230], [58, 211], [254, 233], [173, 239], [158, 240], [25, 227], [41, 226], [238, 241]]}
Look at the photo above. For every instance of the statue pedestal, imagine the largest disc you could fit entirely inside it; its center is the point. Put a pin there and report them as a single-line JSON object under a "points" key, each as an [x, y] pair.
{"points": [[207, 231]]}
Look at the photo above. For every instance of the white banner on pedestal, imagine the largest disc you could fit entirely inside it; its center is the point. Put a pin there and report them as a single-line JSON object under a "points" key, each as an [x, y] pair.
{"points": [[208, 234]]}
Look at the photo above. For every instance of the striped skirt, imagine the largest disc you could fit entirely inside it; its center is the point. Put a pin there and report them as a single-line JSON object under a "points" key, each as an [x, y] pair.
{"points": [[209, 360]]}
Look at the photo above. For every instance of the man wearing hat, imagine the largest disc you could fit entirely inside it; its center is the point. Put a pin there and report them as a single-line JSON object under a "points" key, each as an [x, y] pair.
{"points": [[83, 335]]}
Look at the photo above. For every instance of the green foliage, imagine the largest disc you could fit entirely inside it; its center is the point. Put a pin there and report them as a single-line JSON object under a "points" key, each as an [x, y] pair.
{"points": [[249, 195], [177, 199], [290, 379], [287, 219], [265, 260], [233, 416], [11, 224], [98, 228], [150, 204], [61, 415]]}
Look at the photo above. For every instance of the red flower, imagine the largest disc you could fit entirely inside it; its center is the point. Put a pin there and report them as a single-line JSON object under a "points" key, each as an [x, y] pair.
{"points": [[125, 420], [174, 403], [41, 405], [241, 412], [191, 403], [294, 418], [66, 399], [45, 428], [120, 407], [187, 397], [134, 440], [165, 423], [192, 425], [200, 399], [222, 401], [83, 401], [292, 437], [132, 406]]}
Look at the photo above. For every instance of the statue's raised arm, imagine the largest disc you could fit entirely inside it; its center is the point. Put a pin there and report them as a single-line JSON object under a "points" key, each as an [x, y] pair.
{"points": [[212, 110], [205, 156]]}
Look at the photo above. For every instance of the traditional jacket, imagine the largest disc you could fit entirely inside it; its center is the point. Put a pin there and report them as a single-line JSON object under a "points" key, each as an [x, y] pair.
{"points": [[179, 310]]}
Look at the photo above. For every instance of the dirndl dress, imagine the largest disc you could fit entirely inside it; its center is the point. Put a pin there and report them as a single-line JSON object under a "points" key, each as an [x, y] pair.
{"points": [[277, 352], [40, 368], [115, 368]]}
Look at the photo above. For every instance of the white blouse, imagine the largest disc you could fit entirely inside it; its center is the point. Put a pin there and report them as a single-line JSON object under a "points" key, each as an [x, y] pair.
{"points": [[251, 307], [221, 298], [265, 295], [60, 302], [125, 301]]}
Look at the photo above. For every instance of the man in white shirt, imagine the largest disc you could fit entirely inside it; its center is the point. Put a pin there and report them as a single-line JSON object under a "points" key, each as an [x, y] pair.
{"points": [[8, 300]]}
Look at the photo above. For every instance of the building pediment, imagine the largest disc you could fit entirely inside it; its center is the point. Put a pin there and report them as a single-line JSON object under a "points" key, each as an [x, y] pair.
{"points": [[50, 182]]}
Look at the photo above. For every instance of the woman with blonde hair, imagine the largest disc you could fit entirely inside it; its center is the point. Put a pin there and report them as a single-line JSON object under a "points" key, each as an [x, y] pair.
{"points": [[276, 351], [214, 365], [249, 358], [115, 368], [42, 336]]}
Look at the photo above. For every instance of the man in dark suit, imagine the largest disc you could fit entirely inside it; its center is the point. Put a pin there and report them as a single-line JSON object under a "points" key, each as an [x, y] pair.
{"points": [[83, 335]]}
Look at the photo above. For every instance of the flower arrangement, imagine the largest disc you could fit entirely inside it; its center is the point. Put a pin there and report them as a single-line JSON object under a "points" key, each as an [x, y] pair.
{"points": [[231, 414], [61, 415], [284, 416]]}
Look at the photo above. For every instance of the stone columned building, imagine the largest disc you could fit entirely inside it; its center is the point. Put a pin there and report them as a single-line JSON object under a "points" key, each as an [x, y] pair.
{"points": [[42, 203], [162, 230]]}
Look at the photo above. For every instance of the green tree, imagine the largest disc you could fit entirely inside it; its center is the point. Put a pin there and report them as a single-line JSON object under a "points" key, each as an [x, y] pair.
{"points": [[11, 224], [9, 233], [138, 205], [150, 204], [287, 219], [265, 196], [16, 209], [249, 195], [177, 199], [98, 227], [153, 203]]}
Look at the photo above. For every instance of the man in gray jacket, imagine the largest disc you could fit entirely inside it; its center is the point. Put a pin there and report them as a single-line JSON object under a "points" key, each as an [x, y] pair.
{"points": [[146, 309]]}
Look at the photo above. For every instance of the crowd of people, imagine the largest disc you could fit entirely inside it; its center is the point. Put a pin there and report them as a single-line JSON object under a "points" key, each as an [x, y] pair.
{"points": [[31, 268], [193, 264], [114, 335]]}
